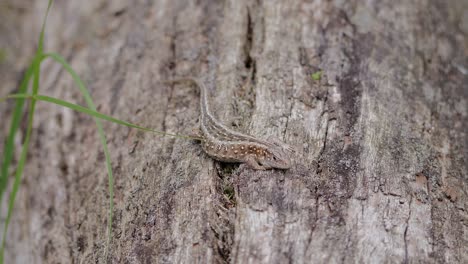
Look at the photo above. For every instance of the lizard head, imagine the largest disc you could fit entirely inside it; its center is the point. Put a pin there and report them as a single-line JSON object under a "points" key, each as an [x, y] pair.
{"points": [[275, 157]]}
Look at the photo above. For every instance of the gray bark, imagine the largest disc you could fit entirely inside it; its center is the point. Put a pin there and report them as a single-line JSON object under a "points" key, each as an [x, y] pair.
{"points": [[380, 168]]}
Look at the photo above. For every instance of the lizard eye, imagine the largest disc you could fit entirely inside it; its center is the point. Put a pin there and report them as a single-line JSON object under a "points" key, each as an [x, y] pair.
{"points": [[274, 158]]}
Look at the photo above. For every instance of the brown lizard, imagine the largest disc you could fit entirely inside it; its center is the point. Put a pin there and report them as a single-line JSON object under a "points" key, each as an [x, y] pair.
{"points": [[226, 145]]}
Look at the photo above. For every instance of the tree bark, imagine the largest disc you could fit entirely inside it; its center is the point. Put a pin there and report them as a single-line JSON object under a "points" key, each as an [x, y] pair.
{"points": [[380, 162]]}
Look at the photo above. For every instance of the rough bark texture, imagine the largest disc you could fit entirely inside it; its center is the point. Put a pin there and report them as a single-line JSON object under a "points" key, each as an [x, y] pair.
{"points": [[380, 168]]}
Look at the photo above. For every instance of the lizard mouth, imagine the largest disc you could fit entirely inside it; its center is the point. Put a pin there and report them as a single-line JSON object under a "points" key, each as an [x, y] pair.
{"points": [[263, 164]]}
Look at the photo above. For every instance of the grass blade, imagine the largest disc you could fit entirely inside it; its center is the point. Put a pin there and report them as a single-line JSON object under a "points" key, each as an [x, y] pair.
{"points": [[24, 152], [8, 149], [18, 174], [40, 47], [35, 71], [92, 113]]}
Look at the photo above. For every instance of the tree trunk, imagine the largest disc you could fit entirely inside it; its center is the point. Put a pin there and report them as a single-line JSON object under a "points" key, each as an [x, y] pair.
{"points": [[372, 96]]}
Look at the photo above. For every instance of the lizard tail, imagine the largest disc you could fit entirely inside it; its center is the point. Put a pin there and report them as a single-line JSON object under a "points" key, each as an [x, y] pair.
{"points": [[204, 105]]}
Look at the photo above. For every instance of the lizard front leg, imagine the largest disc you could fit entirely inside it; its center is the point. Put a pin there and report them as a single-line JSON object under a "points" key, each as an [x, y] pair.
{"points": [[253, 163], [196, 133]]}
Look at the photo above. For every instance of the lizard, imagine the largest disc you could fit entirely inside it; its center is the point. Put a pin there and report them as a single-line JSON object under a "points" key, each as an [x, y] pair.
{"points": [[226, 145]]}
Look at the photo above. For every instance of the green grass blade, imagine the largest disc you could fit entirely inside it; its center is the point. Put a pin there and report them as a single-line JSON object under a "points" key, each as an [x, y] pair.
{"points": [[9, 147], [75, 77], [19, 171], [24, 152], [90, 112], [16, 183], [40, 47], [18, 111]]}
